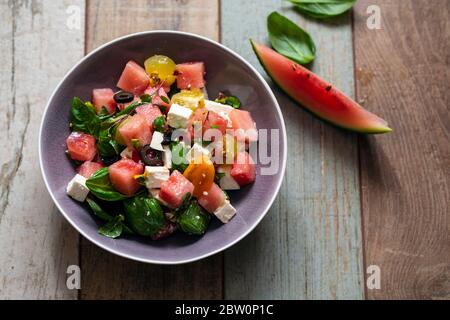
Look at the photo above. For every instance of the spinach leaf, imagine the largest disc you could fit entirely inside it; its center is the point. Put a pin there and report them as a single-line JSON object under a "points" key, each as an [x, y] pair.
{"points": [[289, 39], [144, 215], [193, 220], [322, 9], [113, 228], [83, 117], [100, 185]]}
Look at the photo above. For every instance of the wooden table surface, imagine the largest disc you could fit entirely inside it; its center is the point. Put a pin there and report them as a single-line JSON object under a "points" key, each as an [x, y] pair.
{"points": [[348, 201]]}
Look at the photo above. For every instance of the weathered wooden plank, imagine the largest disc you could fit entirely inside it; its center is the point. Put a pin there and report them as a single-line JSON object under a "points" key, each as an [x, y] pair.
{"points": [[105, 276], [37, 243], [309, 245], [403, 74]]}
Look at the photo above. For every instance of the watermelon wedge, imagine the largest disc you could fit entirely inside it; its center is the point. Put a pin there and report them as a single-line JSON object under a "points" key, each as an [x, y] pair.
{"points": [[317, 95]]}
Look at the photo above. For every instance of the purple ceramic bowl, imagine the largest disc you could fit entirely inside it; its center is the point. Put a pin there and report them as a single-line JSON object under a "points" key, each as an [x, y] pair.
{"points": [[225, 71]]}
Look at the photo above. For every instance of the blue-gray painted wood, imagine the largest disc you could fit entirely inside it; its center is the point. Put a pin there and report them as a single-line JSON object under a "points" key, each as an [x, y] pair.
{"points": [[309, 245]]}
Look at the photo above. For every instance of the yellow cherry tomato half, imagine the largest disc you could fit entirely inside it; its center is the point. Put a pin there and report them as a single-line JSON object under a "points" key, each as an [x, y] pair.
{"points": [[193, 98], [201, 174], [160, 68]]}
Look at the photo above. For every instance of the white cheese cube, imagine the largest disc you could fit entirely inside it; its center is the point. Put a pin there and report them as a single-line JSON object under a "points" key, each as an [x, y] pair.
{"points": [[157, 139], [178, 116], [167, 157], [77, 188], [154, 176], [205, 93], [225, 212], [227, 182], [127, 153], [197, 151]]}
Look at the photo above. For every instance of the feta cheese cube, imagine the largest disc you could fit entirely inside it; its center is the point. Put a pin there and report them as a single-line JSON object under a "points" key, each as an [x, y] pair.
{"points": [[227, 182], [154, 176], [205, 93], [127, 153], [225, 212], [77, 188], [167, 157], [197, 151], [178, 116], [157, 139]]}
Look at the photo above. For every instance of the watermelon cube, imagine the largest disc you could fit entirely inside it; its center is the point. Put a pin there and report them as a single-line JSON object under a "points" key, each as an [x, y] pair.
{"points": [[134, 78], [121, 175], [190, 75], [88, 168], [243, 169], [81, 146], [135, 127], [149, 112], [213, 199], [244, 126], [104, 98], [215, 121], [174, 189]]}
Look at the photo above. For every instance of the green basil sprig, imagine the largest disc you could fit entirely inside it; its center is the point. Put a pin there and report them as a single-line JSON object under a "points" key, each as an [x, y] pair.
{"points": [[83, 117], [115, 224], [289, 39], [322, 9], [100, 185], [144, 215]]}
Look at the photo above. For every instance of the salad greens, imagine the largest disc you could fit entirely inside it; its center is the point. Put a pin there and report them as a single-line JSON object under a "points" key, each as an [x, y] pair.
{"points": [[144, 215], [289, 39], [100, 185], [322, 9], [83, 117], [192, 219], [229, 100]]}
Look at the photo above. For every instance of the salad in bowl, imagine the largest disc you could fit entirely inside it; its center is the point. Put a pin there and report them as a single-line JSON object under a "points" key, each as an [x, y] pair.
{"points": [[155, 155]]}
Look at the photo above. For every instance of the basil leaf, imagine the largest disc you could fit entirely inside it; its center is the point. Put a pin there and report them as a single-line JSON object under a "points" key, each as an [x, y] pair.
{"points": [[99, 212], [144, 215], [193, 220], [146, 98], [229, 100], [83, 117], [100, 185], [130, 108], [322, 9], [106, 145], [165, 99], [113, 228], [179, 152], [159, 124], [289, 39]]}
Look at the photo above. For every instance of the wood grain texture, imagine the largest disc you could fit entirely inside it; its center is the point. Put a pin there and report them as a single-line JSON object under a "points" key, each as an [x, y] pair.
{"points": [[309, 245], [37, 243], [403, 74], [105, 276]]}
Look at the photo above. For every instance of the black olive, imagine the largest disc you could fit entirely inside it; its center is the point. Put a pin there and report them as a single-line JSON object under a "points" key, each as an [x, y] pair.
{"points": [[107, 161], [151, 157], [123, 97]]}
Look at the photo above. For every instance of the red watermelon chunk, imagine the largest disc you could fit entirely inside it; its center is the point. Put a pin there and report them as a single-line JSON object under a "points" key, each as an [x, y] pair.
{"points": [[156, 98], [122, 106], [135, 127], [213, 199], [88, 168], [81, 146], [198, 118], [243, 169], [190, 75], [133, 79], [104, 98], [121, 175], [243, 124], [174, 189], [150, 112], [215, 121]]}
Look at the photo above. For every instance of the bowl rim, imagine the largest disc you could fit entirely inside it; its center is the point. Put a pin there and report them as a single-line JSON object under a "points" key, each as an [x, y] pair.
{"points": [[153, 261]]}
